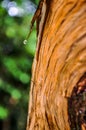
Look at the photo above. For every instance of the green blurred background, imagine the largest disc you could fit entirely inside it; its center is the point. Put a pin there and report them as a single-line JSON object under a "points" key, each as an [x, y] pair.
{"points": [[15, 61]]}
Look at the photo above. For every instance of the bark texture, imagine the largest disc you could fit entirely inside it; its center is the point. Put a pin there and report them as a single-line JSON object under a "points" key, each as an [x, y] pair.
{"points": [[59, 63]]}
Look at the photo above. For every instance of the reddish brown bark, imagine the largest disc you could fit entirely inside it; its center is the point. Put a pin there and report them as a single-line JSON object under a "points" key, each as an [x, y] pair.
{"points": [[59, 63]]}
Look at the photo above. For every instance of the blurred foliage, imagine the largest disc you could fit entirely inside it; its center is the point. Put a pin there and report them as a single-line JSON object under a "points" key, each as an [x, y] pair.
{"points": [[15, 61], [3, 112]]}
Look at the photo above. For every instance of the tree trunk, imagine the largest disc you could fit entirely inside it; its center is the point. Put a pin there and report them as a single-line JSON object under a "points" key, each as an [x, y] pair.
{"points": [[58, 85]]}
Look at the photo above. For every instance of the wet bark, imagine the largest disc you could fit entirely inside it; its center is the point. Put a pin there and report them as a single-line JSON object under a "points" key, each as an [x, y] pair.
{"points": [[59, 64]]}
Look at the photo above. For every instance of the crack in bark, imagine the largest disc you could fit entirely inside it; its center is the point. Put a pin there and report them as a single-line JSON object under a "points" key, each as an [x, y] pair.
{"points": [[77, 105]]}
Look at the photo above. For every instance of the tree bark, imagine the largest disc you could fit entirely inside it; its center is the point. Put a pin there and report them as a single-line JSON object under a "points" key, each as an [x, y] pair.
{"points": [[59, 64]]}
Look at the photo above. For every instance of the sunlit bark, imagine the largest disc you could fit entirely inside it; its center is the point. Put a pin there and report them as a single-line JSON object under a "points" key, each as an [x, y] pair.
{"points": [[59, 63]]}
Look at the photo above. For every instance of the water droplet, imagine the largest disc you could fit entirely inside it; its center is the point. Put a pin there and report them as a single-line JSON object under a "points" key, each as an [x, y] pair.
{"points": [[25, 41]]}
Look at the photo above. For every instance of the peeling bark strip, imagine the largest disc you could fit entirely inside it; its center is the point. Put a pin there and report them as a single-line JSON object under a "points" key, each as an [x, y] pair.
{"points": [[59, 63]]}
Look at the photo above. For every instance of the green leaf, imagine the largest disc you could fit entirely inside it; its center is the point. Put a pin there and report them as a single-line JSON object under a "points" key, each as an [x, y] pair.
{"points": [[31, 44], [24, 78], [11, 32], [3, 112], [16, 94]]}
